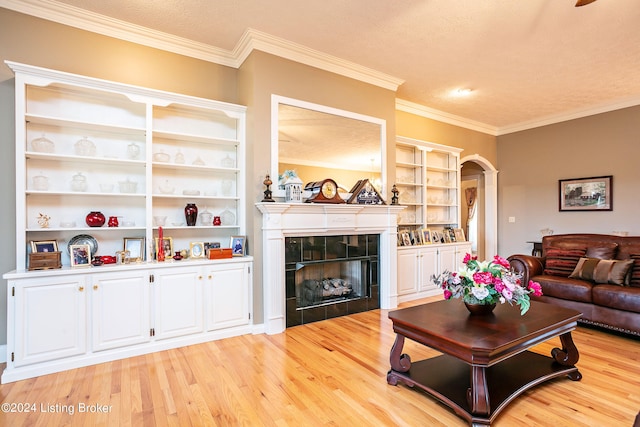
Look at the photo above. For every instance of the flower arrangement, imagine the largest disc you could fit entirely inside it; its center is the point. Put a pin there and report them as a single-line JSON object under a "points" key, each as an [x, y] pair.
{"points": [[487, 282]]}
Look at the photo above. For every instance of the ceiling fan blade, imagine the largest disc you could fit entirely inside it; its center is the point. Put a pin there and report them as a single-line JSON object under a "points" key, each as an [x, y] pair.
{"points": [[584, 2]]}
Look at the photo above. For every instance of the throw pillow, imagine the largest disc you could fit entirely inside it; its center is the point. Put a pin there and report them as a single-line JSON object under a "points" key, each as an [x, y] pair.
{"points": [[562, 262], [635, 272], [602, 270]]}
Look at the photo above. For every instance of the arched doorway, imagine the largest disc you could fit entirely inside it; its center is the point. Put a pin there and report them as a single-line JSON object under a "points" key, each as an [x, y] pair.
{"points": [[481, 171]]}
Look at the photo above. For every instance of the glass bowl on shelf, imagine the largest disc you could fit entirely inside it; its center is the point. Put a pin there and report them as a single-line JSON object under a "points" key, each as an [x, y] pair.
{"points": [[42, 145]]}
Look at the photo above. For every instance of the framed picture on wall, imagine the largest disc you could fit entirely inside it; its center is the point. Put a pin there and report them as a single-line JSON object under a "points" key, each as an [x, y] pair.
{"points": [[586, 194]]}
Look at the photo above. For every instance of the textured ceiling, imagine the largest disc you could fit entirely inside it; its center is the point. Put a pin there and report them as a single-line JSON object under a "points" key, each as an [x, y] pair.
{"points": [[525, 61]]}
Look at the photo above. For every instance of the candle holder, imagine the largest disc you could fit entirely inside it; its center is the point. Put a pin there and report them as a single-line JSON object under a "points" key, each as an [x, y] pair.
{"points": [[395, 192], [267, 193]]}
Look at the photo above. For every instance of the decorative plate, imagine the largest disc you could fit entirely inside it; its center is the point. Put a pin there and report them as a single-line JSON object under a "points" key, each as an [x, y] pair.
{"points": [[85, 239]]}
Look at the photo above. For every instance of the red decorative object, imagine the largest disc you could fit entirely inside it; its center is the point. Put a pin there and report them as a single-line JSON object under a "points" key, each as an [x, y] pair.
{"points": [[95, 219], [191, 214], [216, 220], [108, 259], [160, 249], [177, 256], [113, 221]]}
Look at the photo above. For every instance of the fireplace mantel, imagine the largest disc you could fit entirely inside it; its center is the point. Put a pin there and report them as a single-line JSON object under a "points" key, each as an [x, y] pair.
{"points": [[280, 220]]}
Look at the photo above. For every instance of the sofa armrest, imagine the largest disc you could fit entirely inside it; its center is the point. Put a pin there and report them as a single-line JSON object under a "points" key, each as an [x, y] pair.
{"points": [[528, 266]]}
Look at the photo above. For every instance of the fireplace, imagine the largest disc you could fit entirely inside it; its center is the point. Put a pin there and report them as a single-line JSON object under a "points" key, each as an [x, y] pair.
{"points": [[330, 276], [281, 221]]}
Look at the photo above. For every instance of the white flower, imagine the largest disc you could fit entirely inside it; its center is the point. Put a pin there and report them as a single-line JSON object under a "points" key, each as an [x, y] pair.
{"points": [[480, 292]]}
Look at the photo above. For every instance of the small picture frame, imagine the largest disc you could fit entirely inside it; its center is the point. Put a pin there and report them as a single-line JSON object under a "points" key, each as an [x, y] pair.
{"points": [[166, 247], [135, 246], [426, 236], [210, 245], [196, 250], [405, 238], [80, 255], [435, 236], [459, 233], [417, 237], [446, 237], [237, 245], [44, 246]]}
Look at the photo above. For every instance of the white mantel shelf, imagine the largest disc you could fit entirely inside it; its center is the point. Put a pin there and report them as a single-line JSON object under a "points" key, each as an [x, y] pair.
{"points": [[282, 220]]}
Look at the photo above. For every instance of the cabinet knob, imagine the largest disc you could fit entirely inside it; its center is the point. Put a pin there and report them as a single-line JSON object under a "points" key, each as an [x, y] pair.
{"points": [[81, 288], [95, 287], [199, 277], [209, 277]]}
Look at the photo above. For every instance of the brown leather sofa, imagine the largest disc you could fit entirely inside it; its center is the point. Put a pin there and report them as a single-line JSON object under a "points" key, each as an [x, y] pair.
{"points": [[606, 292]]}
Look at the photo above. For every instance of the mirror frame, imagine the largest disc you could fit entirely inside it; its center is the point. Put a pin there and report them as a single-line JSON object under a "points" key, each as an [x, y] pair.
{"points": [[276, 100]]}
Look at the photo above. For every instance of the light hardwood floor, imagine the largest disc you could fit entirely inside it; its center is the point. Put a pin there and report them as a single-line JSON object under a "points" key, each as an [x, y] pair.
{"points": [[325, 373]]}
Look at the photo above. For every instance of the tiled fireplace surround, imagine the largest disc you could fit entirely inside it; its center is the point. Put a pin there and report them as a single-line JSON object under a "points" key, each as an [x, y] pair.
{"points": [[280, 220]]}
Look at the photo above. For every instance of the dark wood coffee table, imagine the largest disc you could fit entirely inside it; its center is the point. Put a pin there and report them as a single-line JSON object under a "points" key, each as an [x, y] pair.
{"points": [[485, 363]]}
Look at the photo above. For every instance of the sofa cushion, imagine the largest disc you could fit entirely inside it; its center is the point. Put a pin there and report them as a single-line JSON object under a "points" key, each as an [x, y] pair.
{"points": [[565, 288], [634, 279], [613, 296], [562, 262], [603, 250], [614, 272]]}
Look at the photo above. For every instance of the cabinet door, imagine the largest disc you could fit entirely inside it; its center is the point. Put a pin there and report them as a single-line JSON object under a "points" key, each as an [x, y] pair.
{"points": [[428, 262], [50, 319], [227, 296], [448, 258], [407, 271], [120, 309], [178, 302]]}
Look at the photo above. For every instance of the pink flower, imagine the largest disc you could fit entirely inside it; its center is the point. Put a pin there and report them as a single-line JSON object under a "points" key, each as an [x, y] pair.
{"points": [[447, 294], [499, 285], [468, 258], [483, 277], [501, 261], [507, 293], [535, 288]]}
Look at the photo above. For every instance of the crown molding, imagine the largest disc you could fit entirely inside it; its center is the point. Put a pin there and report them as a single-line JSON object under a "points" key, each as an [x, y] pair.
{"points": [[256, 40], [251, 40], [572, 115], [100, 24], [441, 116]]}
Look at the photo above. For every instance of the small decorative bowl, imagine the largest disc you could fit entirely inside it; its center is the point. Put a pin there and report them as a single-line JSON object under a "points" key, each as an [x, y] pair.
{"points": [[161, 157], [106, 188]]}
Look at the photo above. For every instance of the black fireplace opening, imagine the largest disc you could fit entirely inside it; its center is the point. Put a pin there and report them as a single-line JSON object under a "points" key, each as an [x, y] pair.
{"points": [[331, 276]]}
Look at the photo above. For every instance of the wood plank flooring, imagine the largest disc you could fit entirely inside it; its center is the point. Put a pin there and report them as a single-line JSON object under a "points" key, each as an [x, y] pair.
{"points": [[326, 373]]}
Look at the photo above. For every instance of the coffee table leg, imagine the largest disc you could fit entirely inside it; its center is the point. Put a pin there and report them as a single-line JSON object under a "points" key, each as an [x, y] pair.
{"points": [[399, 362], [478, 394], [568, 355]]}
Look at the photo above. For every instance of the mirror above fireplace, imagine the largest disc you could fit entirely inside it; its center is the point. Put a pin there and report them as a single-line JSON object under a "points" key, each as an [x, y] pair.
{"points": [[320, 142]]}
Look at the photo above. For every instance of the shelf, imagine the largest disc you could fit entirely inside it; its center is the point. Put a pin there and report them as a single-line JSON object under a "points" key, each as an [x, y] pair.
{"points": [[184, 137], [73, 159], [185, 167], [83, 125], [83, 229], [81, 194]]}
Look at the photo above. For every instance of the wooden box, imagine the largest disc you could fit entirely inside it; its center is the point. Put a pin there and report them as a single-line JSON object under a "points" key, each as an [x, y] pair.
{"points": [[220, 253], [44, 260]]}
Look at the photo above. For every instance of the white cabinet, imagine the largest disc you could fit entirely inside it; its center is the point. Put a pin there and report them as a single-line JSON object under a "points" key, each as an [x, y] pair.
{"points": [[178, 301], [120, 309], [47, 320], [141, 155], [417, 264], [227, 303], [70, 318]]}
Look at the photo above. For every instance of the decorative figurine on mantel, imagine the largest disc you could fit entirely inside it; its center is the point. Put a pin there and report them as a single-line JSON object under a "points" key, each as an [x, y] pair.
{"points": [[267, 193], [293, 190], [395, 192]]}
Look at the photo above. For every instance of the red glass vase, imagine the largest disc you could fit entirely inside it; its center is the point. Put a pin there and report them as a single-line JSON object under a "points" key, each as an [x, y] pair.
{"points": [[95, 219], [191, 214]]}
